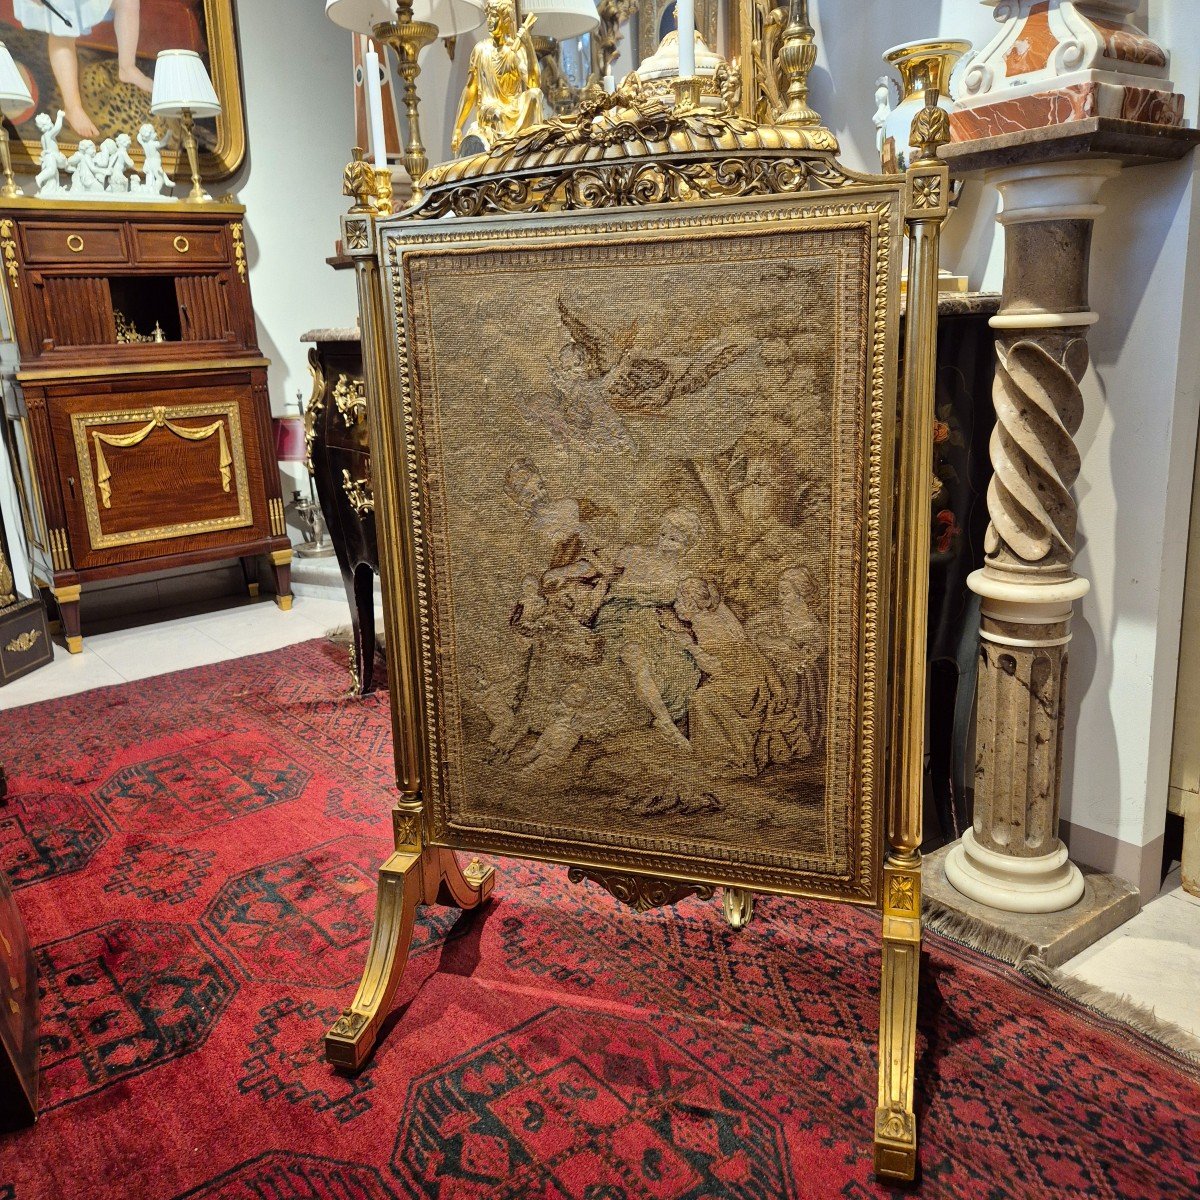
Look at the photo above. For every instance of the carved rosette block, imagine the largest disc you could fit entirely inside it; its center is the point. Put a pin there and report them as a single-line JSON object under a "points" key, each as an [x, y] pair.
{"points": [[1012, 858], [1054, 61]]}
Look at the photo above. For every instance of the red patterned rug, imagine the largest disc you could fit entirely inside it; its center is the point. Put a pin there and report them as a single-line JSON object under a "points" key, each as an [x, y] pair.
{"points": [[195, 857]]}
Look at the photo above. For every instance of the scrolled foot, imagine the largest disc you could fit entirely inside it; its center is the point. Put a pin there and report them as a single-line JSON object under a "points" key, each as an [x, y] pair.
{"points": [[349, 1042], [739, 907]]}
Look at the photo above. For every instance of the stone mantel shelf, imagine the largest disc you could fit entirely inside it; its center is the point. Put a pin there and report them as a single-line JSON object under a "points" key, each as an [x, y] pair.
{"points": [[345, 333], [965, 304], [1133, 143]]}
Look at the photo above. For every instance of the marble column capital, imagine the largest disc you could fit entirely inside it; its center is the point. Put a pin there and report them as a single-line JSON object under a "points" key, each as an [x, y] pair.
{"points": [[1056, 190]]}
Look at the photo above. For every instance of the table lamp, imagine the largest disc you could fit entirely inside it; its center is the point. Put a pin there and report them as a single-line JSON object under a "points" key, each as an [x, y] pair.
{"points": [[408, 27], [183, 89], [14, 98]]}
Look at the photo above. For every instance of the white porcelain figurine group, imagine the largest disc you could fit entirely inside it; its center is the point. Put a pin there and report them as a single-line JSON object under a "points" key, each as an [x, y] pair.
{"points": [[98, 172]]}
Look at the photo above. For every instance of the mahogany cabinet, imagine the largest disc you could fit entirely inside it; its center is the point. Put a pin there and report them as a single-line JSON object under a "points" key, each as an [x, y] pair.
{"points": [[145, 424]]}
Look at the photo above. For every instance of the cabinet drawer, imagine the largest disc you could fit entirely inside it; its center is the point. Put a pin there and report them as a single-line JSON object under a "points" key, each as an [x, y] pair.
{"points": [[159, 245], [49, 242]]}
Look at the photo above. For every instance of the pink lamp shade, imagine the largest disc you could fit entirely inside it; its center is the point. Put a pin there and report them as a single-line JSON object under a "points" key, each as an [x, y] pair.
{"points": [[289, 439]]}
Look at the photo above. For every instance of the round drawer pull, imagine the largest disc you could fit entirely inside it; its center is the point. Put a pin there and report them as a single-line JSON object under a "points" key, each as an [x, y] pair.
{"points": [[182, 244], [75, 243]]}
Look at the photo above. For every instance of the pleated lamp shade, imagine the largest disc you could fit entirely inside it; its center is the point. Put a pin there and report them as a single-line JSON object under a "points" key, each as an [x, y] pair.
{"points": [[561, 19], [14, 91], [181, 82], [452, 17]]}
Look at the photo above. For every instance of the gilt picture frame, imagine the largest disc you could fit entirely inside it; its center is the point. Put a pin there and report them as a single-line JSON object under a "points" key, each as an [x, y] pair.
{"points": [[656, 18], [73, 59], [653, 583]]}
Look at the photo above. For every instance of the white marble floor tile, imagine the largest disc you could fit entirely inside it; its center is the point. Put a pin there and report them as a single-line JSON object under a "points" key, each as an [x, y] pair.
{"points": [[157, 649], [65, 676], [330, 614], [258, 628], [1153, 958], [1173, 886]]}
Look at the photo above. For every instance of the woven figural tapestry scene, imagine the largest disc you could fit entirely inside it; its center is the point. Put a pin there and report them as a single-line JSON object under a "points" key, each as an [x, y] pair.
{"points": [[643, 610]]}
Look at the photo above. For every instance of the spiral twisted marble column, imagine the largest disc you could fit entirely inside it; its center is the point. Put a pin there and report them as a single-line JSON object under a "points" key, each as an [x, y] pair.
{"points": [[1012, 857], [1039, 408]]}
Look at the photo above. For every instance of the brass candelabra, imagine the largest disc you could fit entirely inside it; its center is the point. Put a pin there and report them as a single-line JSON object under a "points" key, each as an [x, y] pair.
{"points": [[408, 38]]}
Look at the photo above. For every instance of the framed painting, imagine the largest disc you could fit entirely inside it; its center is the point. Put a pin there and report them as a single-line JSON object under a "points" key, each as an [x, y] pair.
{"points": [[656, 18], [94, 61], [655, 548]]}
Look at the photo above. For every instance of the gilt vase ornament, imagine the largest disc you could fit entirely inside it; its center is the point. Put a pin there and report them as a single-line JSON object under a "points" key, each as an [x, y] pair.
{"points": [[920, 65]]}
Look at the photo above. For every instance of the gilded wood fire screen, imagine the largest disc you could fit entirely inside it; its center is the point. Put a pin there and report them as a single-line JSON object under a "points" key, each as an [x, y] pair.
{"points": [[654, 598]]}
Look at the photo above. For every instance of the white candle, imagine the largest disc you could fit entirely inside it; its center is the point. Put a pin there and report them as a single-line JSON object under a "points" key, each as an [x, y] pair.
{"points": [[375, 109], [610, 84], [685, 12]]}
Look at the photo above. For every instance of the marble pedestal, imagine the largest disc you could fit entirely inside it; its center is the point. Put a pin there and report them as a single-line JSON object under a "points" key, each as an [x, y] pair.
{"points": [[1012, 860]]}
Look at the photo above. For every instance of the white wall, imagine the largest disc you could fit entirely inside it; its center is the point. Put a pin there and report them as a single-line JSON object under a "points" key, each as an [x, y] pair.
{"points": [[296, 68]]}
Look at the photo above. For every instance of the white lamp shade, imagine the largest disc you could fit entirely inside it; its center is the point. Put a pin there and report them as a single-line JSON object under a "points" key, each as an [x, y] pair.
{"points": [[452, 17], [561, 19], [181, 82], [14, 91], [361, 16]]}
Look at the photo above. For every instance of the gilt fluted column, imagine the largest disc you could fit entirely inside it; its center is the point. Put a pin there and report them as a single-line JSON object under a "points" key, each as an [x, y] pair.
{"points": [[1012, 857]]}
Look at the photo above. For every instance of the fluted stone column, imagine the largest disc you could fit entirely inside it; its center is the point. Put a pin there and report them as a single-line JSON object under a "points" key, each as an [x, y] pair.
{"points": [[1012, 857]]}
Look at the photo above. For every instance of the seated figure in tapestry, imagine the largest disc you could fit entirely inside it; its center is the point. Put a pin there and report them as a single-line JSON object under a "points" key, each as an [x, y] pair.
{"points": [[624, 637]]}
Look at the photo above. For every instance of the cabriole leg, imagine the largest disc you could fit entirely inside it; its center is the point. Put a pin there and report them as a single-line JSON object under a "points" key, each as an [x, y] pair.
{"points": [[414, 874]]}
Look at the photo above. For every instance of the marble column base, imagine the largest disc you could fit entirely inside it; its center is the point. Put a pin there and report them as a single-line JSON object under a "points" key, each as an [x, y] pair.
{"points": [[1106, 902], [1046, 883]]}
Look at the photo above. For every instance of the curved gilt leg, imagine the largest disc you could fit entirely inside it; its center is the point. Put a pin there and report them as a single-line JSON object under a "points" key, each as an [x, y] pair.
{"points": [[352, 1038], [739, 907], [895, 1122]]}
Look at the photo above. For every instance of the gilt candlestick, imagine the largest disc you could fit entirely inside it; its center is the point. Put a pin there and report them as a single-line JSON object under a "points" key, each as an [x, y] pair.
{"points": [[408, 38]]}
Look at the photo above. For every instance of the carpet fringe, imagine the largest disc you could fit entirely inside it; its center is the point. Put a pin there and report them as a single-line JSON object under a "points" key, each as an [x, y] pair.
{"points": [[968, 931], [1024, 956]]}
